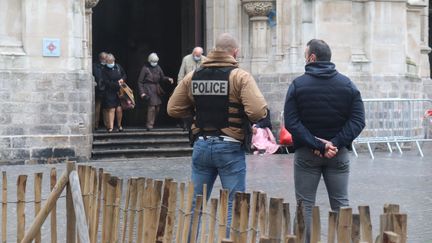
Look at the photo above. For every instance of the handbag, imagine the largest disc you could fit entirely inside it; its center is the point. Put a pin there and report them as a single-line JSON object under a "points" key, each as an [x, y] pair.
{"points": [[127, 100]]}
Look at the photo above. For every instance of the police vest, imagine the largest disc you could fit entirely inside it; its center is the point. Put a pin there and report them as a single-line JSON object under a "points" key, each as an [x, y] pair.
{"points": [[210, 89]]}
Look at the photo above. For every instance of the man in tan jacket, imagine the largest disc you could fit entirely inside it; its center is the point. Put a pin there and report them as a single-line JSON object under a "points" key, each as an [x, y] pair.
{"points": [[220, 96]]}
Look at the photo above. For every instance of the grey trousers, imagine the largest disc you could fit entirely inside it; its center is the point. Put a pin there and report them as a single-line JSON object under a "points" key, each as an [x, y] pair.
{"points": [[308, 169]]}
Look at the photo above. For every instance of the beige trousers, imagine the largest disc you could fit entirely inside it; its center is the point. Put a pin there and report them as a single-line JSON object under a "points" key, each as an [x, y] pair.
{"points": [[152, 112]]}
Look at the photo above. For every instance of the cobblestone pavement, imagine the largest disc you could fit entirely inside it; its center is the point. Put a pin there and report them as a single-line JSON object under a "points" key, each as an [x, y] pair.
{"points": [[402, 179]]}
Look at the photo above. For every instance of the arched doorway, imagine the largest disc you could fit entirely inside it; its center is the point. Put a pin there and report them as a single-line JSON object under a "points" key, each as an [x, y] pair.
{"points": [[132, 29]]}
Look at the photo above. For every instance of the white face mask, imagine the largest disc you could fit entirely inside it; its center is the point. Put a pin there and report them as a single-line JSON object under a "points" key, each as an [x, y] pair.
{"points": [[110, 65], [153, 64], [197, 59]]}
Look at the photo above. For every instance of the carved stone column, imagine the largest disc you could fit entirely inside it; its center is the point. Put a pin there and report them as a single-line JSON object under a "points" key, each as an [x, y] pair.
{"points": [[88, 40], [258, 11]]}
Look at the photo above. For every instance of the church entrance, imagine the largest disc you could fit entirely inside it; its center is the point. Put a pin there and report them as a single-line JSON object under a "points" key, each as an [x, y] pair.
{"points": [[132, 29]]}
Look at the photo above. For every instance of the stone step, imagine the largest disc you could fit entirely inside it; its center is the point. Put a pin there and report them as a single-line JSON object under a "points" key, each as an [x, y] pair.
{"points": [[135, 142], [137, 153], [140, 143]]}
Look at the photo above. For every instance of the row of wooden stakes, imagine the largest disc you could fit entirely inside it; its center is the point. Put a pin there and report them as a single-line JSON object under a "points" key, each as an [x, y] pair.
{"points": [[162, 211]]}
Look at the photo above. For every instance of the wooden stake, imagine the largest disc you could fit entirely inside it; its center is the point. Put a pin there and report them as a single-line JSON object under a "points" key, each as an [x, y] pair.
{"points": [[316, 225], [170, 219], [94, 206], [275, 219], [70, 213], [196, 216], [244, 217], [213, 211], [254, 215], [126, 210], [400, 226], [147, 199], [355, 234], [235, 222], [105, 218], [344, 225], [365, 224], [82, 226], [99, 205], [262, 213], [391, 208], [116, 210], [204, 215], [154, 212], [286, 220], [188, 213], [227, 241], [38, 199], [21, 184], [48, 206], [300, 224], [181, 214], [264, 239], [4, 207], [163, 210], [390, 237], [290, 239], [53, 182], [142, 193], [86, 198], [133, 205], [332, 222], [223, 214]]}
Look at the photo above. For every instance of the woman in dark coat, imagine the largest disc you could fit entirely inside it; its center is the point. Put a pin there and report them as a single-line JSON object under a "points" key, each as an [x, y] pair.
{"points": [[149, 87], [113, 76]]}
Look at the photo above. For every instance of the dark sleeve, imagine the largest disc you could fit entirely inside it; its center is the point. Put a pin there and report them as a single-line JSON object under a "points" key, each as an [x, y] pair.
{"points": [[162, 75], [293, 124], [122, 73], [355, 123], [97, 73], [141, 79]]}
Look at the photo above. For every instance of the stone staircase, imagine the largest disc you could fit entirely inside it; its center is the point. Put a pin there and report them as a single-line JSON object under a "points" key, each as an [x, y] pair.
{"points": [[134, 143]]}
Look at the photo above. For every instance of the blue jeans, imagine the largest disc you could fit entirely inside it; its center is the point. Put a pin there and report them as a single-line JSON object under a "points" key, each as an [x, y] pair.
{"points": [[308, 169], [213, 157]]}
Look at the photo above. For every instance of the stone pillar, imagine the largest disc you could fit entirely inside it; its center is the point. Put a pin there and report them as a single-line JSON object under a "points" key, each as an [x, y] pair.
{"points": [[258, 11], [88, 40]]}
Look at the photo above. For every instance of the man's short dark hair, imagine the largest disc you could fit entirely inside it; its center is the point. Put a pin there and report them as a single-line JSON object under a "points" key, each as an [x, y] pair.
{"points": [[320, 49]]}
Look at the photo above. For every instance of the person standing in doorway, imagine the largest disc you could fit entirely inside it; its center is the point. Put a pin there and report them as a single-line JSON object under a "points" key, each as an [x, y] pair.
{"points": [[220, 96], [149, 87], [324, 112], [191, 62], [113, 76], [100, 87]]}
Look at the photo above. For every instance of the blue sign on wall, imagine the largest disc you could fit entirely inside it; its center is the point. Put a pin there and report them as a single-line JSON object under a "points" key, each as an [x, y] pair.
{"points": [[51, 47]]}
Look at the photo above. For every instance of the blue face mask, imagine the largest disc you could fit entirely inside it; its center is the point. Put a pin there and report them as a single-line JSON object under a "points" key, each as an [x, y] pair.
{"points": [[110, 65], [153, 64]]}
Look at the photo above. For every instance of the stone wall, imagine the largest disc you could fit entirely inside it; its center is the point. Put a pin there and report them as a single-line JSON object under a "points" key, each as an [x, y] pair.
{"points": [[45, 117]]}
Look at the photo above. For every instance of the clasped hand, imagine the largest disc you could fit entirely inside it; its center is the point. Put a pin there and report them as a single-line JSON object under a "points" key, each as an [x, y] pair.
{"points": [[330, 150]]}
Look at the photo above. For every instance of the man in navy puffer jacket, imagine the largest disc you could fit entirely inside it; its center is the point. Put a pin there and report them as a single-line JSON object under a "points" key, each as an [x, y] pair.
{"points": [[324, 113]]}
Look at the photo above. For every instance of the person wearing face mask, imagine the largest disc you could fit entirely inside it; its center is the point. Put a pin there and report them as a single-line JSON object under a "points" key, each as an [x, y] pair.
{"points": [[149, 87], [113, 77], [324, 112], [191, 62], [99, 87]]}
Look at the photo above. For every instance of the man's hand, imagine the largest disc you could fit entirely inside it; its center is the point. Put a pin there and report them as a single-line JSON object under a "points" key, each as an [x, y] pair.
{"points": [[142, 95], [330, 149], [121, 82], [171, 80]]}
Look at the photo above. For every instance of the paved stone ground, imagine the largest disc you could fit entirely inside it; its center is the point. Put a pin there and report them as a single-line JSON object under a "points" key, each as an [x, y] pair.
{"points": [[390, 178]]}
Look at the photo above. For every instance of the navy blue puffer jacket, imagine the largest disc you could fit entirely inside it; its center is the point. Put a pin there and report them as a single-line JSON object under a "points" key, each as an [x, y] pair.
{"points": [[322, 103]]}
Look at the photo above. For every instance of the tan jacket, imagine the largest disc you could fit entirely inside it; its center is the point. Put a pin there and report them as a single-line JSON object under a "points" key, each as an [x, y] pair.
{"points": [[188, 65], [243, 90]]}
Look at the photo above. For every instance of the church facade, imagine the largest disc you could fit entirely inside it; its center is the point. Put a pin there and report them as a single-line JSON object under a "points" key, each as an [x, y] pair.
{"points": [[47, 47]]}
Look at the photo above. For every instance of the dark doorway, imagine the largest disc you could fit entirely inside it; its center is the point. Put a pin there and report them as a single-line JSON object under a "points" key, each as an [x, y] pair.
{"points": [[132, 29]]}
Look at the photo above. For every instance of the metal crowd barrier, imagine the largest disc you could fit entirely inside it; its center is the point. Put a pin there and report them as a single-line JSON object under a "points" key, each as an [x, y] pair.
{"points": [[395, 121]]}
